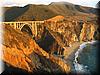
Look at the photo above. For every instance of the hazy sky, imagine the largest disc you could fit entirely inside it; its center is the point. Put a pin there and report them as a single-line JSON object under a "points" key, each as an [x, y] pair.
{"points": [[91, 3]]}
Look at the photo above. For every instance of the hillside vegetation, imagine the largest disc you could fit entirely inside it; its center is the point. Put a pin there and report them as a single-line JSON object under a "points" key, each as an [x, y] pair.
{"points": [[43, 12]]}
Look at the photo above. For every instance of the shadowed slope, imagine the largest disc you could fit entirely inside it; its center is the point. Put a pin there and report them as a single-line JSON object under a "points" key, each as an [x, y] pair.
{"points": [[12, 13]]}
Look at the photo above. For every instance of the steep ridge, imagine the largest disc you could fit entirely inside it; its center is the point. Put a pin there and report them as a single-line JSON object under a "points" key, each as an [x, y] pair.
{"points": [[21, 52], [62, 8], [39, 12], [56, 8]]}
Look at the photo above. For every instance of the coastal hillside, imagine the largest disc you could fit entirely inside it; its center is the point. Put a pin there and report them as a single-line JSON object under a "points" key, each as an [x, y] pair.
{"points": [[43, 12], [22, 54], [65, 26]]}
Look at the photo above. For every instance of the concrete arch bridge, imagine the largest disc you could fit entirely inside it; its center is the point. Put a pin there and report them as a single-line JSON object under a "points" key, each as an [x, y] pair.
{"points": [[29, 26]]}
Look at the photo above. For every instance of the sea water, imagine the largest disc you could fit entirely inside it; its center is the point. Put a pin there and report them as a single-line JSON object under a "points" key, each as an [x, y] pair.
{"points": [[86, 57]]}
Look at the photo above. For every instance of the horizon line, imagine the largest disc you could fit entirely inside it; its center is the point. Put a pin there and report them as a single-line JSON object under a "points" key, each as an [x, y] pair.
{"points": [[23, 4]]}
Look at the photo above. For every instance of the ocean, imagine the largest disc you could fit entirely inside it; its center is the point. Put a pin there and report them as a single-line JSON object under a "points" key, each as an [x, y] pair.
{"points": [[86, 58]]}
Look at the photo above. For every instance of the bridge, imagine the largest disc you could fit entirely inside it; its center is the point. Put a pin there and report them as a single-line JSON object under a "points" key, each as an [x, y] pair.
{"points": [[28, 26]]}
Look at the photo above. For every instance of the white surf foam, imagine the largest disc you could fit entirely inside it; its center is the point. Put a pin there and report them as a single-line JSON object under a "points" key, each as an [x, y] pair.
{"points": [[79, 67]]}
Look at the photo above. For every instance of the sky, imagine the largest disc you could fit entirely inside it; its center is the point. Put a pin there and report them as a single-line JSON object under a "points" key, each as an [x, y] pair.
{"points": [[90, 3]]}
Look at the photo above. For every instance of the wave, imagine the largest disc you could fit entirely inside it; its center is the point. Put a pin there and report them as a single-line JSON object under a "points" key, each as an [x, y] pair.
{"points": [[80, 68]]}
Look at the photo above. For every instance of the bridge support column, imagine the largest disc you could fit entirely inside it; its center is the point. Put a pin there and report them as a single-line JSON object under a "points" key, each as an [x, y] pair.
{"points": [[34, 29], [14, 25]]}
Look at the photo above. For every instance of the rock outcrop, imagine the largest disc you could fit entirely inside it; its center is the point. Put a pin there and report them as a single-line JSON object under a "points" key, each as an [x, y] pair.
{"points": [[87, 32], [21, 51], [70, 30]]}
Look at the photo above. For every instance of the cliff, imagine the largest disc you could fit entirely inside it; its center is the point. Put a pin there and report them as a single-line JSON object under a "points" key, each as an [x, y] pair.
{"points": [[88, 31], [70, 30], [22, 52]]}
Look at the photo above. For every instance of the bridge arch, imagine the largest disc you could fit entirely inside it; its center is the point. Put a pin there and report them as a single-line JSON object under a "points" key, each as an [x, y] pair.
{"points": [[27, 29]]}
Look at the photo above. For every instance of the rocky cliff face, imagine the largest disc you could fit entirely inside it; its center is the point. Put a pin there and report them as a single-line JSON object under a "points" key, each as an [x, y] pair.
{"points": [[88, 32], [67, 31], [20, 51]]}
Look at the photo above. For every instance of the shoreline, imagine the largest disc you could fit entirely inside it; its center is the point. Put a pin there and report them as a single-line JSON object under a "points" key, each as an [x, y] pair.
{"points": [[70, 57]]}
